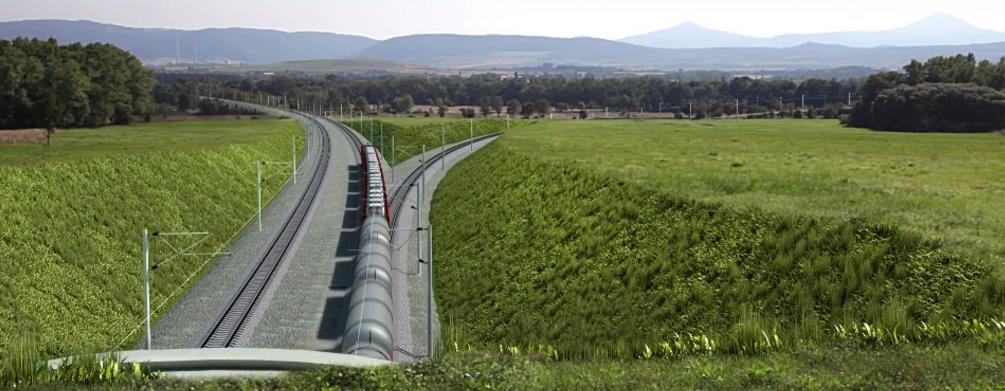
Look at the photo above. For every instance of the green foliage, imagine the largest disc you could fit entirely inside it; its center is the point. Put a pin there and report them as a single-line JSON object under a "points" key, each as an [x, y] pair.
{"points": [[70, 230], [942, 94], [22, 364], [939, 107], [525, 96], [547, 253], [45, 85]]}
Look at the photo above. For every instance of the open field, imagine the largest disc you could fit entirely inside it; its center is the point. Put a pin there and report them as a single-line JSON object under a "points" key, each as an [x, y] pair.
{"points": [[142, 139], [948, 187], [551, 255], [72, 216]]}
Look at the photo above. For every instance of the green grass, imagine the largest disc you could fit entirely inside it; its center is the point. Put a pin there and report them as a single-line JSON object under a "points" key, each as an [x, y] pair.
{"points": [[71, 225], [957, 366], [410, 134], [142, 139], [948, 187], [552, 254]]}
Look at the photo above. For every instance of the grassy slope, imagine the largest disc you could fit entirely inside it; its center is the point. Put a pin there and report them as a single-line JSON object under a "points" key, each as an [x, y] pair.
{"points": [[70, 222], [948, 187], [548, 253], [410, 134]]}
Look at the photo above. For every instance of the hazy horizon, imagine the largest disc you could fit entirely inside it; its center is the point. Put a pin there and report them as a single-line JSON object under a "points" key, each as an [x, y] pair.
{"points": [[562, 18]]}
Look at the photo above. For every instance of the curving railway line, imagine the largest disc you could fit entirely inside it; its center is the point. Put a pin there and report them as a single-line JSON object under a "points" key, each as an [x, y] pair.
{"points": [[232, 323]]}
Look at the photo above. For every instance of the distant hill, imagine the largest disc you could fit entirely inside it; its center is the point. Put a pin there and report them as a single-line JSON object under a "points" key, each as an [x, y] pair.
{"points": [[465, 52], [692, 36], [938, 29], [422, 53], [334, 66], [485, 51], [158, 46]]}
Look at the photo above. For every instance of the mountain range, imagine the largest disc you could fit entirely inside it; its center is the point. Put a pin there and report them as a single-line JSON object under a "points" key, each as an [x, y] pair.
{"points": [[164, 46], [687, 46], [935, 30]]}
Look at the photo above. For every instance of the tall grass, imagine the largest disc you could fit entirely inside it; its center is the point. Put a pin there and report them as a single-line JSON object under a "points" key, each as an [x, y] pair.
{"points": [[22, 364], [548, 254]]}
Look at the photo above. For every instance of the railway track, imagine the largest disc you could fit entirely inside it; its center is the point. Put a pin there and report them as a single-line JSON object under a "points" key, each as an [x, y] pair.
{"points": [[231, 323], [399, 194]]}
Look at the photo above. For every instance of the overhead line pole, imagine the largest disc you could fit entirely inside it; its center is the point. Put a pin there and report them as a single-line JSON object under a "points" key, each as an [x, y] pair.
{"points": [[429, 296], [146, 285]]}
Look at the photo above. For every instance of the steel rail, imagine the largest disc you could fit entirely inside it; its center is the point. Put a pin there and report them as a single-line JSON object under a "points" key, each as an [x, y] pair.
{"points": [[231, 324]]}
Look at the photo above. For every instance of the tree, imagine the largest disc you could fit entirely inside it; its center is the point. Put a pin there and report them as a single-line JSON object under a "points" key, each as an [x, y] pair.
{"points": [[441, 107], [362, 105], [513, 107], [485, 107], [528, 110], [43, 84], [403, 104], [542, 107], [496, 102]]}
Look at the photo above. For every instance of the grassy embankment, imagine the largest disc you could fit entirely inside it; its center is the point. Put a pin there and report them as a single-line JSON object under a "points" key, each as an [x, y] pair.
{"points": [[947, 187], [410, 134], [72, 217], [578, 250]]}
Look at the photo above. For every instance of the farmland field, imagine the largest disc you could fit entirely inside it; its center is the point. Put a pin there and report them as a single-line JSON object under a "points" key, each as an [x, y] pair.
{"points": [[948, 187], [72, 216], [140, 139], [595, 252]]}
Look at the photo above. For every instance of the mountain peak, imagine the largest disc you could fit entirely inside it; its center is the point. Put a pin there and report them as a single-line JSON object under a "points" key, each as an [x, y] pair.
{"points": [[940, 21]]}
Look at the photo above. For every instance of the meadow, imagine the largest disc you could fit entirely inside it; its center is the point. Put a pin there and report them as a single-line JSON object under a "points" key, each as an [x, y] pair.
{"points": [[72, 217], [140, 139], [947, 187], [551, 256]]}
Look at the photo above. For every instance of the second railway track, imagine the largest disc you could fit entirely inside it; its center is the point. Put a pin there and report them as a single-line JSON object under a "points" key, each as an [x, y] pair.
{"points": [[232, 323]]}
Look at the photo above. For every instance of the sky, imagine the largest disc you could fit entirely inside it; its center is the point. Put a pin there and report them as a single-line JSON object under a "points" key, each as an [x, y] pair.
{"points": [[611, 19]]}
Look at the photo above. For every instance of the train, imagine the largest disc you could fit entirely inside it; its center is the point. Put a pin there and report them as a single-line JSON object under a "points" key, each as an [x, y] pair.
{"points": [[369, 326]]}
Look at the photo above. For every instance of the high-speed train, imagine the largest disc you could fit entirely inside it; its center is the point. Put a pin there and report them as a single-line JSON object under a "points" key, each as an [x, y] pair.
{"points": [[369, 325]]}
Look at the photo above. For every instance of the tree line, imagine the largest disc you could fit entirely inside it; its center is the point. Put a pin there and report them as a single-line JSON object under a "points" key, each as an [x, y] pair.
{"points": [[497, 94], [955, 93], [46, 85]]}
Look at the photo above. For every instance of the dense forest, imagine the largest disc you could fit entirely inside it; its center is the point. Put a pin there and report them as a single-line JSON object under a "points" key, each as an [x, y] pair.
{"points": [[45, 85], [496, 94], [942, 94]]}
